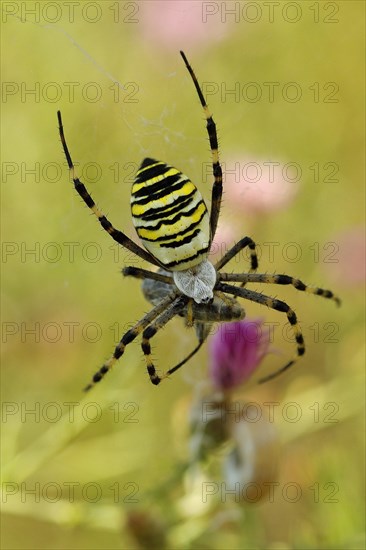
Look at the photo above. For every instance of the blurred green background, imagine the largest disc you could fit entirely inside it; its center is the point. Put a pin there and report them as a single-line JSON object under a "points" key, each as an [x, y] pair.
{"points": [[109, 470]]}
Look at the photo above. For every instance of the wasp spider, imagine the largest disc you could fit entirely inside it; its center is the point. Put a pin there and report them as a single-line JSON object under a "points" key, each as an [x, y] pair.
{"points": [[177, 230]]}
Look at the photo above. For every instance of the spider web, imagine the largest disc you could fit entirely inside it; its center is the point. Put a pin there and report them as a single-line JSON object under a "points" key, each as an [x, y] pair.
{"points": [[148, 119]]}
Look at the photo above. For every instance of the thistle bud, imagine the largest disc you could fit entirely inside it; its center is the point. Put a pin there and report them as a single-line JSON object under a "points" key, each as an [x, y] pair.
{"points": [[236, 351]]}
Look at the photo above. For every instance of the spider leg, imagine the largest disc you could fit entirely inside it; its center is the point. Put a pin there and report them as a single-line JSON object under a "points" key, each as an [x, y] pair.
{"points": [[127, 338], [139, 273], [117, 235], [186, 359], [278, 280], [278, 305], [144, 274], [212, 135], [173, 309], [243, 243]]}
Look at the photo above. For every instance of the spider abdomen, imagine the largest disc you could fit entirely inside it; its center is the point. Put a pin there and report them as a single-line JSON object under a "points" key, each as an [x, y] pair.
{"points": [[170, 216]]}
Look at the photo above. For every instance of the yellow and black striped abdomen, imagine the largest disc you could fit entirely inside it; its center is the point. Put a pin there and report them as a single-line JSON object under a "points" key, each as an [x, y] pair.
{"points": [[170, 216]]}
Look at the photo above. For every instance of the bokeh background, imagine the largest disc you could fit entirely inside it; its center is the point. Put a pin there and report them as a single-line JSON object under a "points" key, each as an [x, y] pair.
{"points": [[115, 468]]}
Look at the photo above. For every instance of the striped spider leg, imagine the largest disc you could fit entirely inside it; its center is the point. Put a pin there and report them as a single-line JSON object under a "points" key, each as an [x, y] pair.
{"points": [[273, 303]]}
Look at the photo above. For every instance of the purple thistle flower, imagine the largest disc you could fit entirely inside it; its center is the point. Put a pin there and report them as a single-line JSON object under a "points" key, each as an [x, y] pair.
{"points": [[236, 351]]}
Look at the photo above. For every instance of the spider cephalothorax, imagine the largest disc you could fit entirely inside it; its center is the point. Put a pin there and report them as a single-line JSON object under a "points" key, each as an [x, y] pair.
{"points": [[177, 230]]}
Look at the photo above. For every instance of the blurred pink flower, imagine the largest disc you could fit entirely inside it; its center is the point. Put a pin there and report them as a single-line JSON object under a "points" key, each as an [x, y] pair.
{"points": [[181, 24], [236, 351], [260, 186], [224, 239], [345, 257]]}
